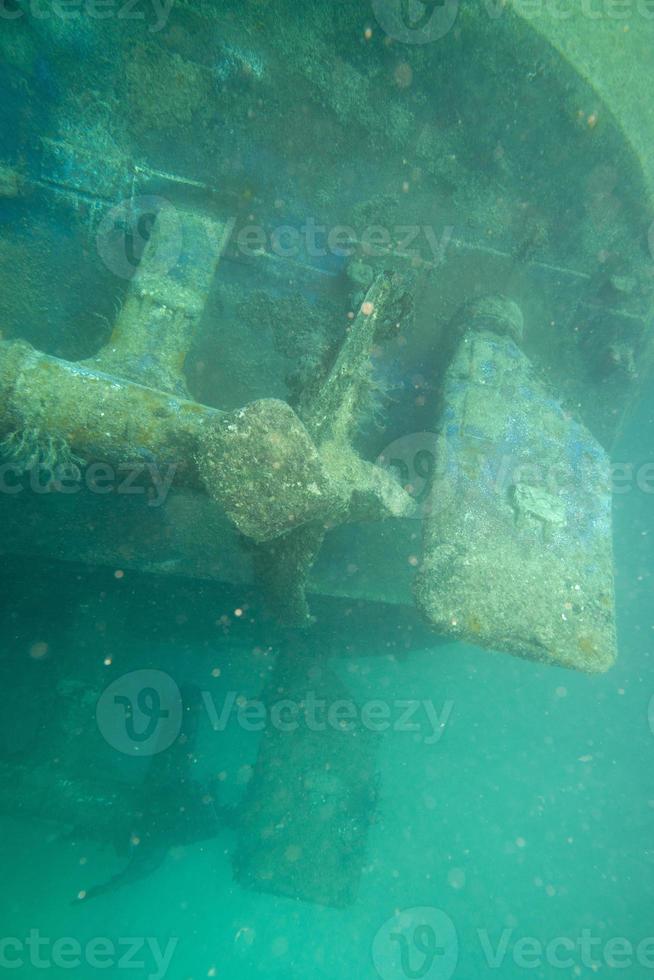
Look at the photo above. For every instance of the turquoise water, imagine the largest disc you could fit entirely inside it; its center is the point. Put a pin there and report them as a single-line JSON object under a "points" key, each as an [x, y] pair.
{"points": [[531, 814], [241, 247]]}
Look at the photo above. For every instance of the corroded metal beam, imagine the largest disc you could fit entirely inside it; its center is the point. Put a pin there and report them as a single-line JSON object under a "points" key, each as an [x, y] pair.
{"points": [[277, 477]]}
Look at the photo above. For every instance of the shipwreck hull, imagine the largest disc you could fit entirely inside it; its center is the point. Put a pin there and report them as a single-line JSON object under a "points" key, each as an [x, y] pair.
{"points": [[231, 356]]}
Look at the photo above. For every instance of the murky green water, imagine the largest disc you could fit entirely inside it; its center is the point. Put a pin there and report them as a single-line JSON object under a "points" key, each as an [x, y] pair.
{"points": [[326, 415]]}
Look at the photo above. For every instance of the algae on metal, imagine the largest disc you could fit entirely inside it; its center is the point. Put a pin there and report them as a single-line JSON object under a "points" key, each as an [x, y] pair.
{"points": [[518, 551], [160, 315], [287, 97], [330, 409], [260, 464]]}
